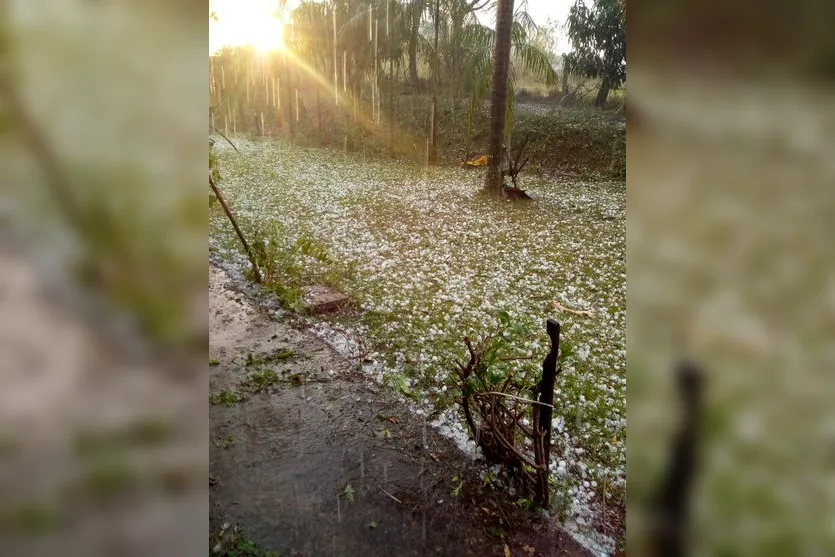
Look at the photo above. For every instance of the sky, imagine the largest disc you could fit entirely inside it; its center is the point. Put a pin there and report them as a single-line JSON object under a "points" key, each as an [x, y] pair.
{"points": [[243, 21], [541, 11]]}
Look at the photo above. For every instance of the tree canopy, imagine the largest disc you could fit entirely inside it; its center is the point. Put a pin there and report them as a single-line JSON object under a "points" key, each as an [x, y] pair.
{"points": [[598, 39]]}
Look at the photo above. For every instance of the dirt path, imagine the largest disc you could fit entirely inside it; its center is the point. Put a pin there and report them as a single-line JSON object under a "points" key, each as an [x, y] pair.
{"points": [[282, 459]]}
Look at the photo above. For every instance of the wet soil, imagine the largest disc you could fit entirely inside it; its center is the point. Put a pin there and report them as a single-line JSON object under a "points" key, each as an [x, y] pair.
{"points": [[323, 463]]}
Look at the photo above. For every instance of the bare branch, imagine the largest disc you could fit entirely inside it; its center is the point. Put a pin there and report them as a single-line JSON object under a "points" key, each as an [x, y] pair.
{"points": [[40, 148], [224, 137], [521, 399]]}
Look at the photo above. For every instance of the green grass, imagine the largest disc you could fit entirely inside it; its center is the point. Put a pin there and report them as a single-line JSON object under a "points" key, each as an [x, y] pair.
{"points": [[226, 397], [277, 355], [433, 261], [260, 380]]}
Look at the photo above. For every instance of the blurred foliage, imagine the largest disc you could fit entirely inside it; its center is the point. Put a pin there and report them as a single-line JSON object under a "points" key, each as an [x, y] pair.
{"points": [[729, 262], [99, 178], [736, 37]]}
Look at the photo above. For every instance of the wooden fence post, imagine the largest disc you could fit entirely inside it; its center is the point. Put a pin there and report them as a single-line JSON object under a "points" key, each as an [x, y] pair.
{"points": [[543, 417], [668, 532]]}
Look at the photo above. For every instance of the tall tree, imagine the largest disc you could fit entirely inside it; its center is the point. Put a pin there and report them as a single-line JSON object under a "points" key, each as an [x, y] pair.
{"points": [[598, 39], [460, 14], [416, 9], [498, 102]]}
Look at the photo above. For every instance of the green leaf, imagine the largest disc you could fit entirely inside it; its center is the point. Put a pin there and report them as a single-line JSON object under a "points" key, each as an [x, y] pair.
{"points": [[494, 377], [504, 317], [470, 386]]}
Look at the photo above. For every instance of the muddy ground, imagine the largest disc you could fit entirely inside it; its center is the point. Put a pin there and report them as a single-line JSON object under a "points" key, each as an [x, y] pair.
{"points": [[283, 458]]}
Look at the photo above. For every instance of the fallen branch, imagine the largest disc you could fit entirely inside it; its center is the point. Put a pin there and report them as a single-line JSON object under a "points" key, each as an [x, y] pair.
{"points": [[236, 227], [390, 495], [224, 137], [56, 177], [561, 307], [506, 444], [514, 397]]}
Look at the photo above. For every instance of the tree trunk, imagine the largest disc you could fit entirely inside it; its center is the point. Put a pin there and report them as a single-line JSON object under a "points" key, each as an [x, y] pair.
{"points": [[289, 111], [456, 55], [602, 93], [319, 114], [391, 104], [565, 73], [433, 137], [498, 101], [417, 10]]}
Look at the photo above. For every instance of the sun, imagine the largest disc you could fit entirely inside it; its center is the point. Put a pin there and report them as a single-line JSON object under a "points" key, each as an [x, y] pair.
{"points": [[246, 22]]}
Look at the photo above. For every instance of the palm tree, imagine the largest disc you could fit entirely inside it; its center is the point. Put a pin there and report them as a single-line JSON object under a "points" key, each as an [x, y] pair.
{"points": [[416, 9], [501, 66]]}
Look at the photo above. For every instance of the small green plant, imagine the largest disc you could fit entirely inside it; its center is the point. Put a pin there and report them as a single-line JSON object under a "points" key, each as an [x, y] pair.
{"points": [[278, 355], [235, 544], [226, 443], [214, 362], [287, 265], [399, 382], [225, 397], [349, 492], [456, 491], [525, 503], [263, 379], [283, 354]]}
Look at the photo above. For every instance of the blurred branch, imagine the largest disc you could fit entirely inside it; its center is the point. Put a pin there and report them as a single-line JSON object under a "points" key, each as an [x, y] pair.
{"points": [[37, 144]]}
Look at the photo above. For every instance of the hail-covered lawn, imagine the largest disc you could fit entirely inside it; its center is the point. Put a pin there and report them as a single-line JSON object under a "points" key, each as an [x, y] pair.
{"points": [[433, 261]]}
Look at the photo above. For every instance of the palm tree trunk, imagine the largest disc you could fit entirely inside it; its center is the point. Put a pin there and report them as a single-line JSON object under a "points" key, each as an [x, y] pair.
{"points": [[498, 101], [413, 75]]}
